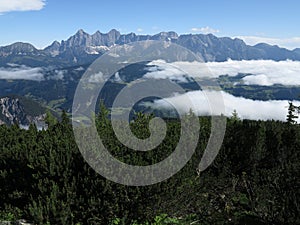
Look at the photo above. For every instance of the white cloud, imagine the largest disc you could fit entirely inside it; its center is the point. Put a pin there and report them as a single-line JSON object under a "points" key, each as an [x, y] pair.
{"points": [[21, 5], [289, 43], [22, 73], [163, 70], [139, 30], [262, 80], [246, 108], [13, 65], [261, 72], [79, 69], [204, 30], [96, 78]]}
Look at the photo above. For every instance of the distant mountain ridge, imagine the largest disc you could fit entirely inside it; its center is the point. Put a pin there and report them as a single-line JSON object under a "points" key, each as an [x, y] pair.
{"points": [[83, 48]]}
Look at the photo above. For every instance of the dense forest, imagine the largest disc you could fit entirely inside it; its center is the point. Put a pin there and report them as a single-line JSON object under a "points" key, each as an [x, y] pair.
{"points": [[255, 178]]}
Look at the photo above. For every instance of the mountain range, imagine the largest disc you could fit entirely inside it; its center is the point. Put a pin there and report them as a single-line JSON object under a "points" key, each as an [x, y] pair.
{"points": [[83, 48], [52, 74]]}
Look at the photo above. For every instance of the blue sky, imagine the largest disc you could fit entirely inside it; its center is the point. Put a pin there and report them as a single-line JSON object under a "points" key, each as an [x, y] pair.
{"points": [[41, 22]]}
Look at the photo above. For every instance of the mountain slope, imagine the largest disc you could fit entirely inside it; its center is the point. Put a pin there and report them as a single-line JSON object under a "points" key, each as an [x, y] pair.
{"points": [[83, 48]]}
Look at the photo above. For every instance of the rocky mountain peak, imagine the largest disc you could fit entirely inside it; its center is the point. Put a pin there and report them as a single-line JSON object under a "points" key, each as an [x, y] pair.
{"points": [[82, 48], [166, 35], [297, 50], [21, 46], [80, 32], [55, 43], [18, 48], [53, 49], [114, 32]]}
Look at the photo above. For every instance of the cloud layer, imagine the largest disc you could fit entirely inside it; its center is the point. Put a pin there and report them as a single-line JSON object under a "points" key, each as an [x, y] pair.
{"points": [[262, 72], [163, 70], [258, 72], [21, 5], [203, 105], [22, 73]]}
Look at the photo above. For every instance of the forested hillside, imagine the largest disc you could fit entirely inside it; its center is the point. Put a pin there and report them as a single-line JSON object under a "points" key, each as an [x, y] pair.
{"points": [[254, 179]]}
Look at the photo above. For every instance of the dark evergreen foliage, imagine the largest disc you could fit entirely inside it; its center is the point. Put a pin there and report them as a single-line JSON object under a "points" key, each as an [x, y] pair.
{"points": [[254, 179]]}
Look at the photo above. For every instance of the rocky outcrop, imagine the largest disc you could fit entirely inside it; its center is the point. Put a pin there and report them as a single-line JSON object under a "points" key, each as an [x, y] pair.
{"points": [[18, 222], [12, 111]]}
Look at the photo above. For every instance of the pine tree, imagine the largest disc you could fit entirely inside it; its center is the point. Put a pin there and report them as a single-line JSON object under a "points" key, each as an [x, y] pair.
{"points": [[235, 116], [50, 119], [292, 110]]}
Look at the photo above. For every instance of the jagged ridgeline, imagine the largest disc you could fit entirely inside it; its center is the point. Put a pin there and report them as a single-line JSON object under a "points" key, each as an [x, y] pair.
{"points": [[83, 48], [51, 75]]}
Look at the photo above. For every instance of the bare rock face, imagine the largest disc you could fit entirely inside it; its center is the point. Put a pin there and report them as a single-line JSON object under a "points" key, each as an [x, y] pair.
{"points": [[12, 111], [18, 222]]}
